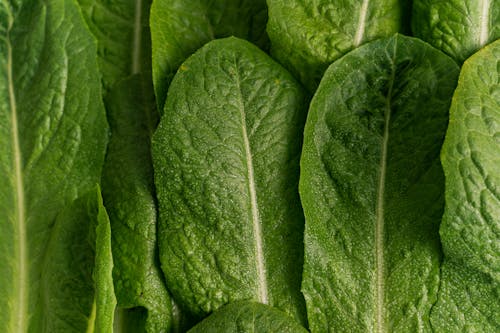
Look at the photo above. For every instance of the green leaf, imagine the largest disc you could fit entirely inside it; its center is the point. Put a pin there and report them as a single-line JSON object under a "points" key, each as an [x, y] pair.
{"points": [[372, 187], [226, 157], [469, 297], [103, 272], [122, 31], [307, 36], [77, 285], [179, 28], [53, 133], [457, 27], [129, 195], [248, 317]]}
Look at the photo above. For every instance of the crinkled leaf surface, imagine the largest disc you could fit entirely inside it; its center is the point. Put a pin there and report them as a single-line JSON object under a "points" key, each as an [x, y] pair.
{"points": [[307, 36], [122, 31], [77, 282], [53, 133], [469, 298], [372, 188], [180, 27], [457, 27], [226, 157], [248, 317], [129, 195]]}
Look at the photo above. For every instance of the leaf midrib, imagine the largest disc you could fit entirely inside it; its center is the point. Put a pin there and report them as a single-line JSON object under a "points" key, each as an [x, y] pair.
{"points": [[360, 31], [484, 20], [92, 317], [380, 222], [20, 312], [262, 292]]}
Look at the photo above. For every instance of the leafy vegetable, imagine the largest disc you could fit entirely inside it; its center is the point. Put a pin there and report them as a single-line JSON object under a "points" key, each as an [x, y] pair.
{"points": [[53, 132], [122, 30], [469, 299], [306, 36], [226, 157], [372, 188], [457, 27], [179, 28], [248, 317], [130, 198], [77, 283]]}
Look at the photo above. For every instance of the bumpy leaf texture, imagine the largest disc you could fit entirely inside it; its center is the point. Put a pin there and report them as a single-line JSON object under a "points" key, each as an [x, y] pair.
{"points": [[307, 36], [77, 282], [53, 133], [226, 157], [372, 188], [179, 28], [129, 195], [248, 317], [457, 27], [469, 298], [122, 31]]}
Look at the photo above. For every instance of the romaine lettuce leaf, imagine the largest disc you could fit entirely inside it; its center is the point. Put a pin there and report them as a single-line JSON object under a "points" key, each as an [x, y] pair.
{"points": [[372, 187], [225, 158], [469, 297], [53, 133]]}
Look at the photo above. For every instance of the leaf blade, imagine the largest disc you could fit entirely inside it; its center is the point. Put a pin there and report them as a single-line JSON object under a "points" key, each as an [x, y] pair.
{"points": [[458, 28], [369, 249], [248, 317], [61, 131], [306, 37], [207, 216], [122, 30], [179, 28], [468, 299], [78, 266], [130, 197]]}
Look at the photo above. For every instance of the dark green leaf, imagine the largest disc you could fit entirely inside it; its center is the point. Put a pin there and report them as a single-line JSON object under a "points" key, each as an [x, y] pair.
{"points": [[129, 195], [457, 27], [122, 31], [306, 36], [248, 317], [53, 133], [77, 284], [469, 298], [226, 158], [372, 188], [180, 27]]}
